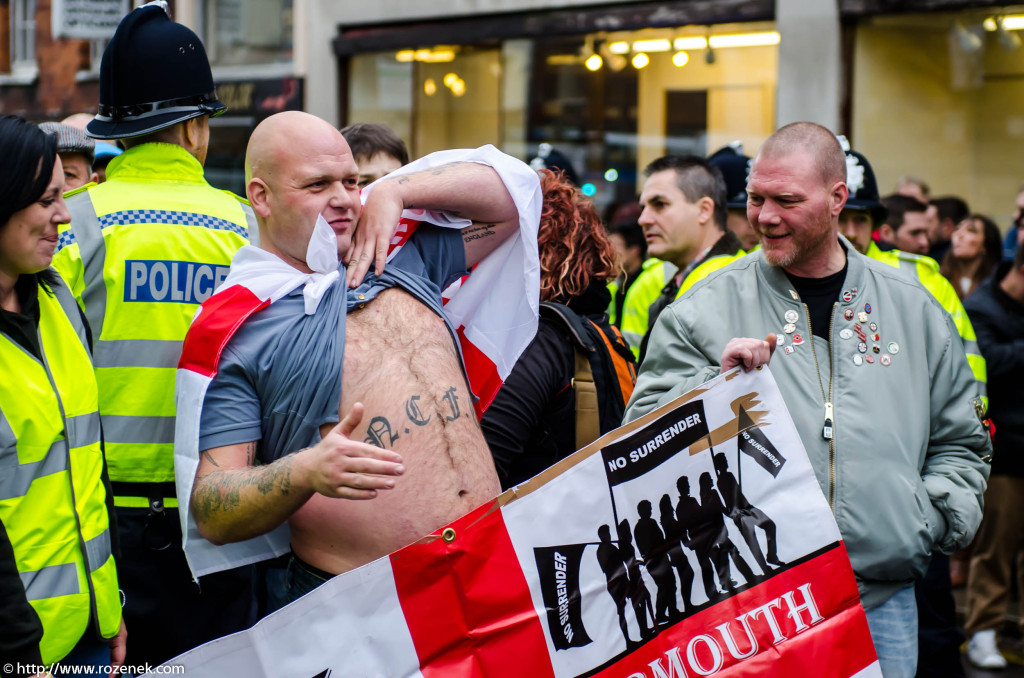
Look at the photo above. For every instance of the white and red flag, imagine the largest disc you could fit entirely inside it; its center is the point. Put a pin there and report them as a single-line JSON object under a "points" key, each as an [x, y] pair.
{"points": [[493, 310], [565, 575]]}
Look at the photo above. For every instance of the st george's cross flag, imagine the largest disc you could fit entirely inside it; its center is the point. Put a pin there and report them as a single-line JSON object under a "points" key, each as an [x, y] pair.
{"points": [[494, 312], [605, 565]]}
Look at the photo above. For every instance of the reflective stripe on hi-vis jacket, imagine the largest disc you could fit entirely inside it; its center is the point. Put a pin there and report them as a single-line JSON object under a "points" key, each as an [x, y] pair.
{"points": [[926, 271], [52, 498], [143, 250]]}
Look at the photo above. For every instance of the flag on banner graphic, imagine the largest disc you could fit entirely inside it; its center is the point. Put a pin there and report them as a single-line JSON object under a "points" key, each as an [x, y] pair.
{"points": [[756, 445], [630, 559]]}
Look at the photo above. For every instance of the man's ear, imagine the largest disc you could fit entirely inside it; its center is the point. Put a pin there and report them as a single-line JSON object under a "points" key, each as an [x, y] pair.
{"points": [[707, 210], [257, 191], [838, 197], [94, 178], [886, 233]]}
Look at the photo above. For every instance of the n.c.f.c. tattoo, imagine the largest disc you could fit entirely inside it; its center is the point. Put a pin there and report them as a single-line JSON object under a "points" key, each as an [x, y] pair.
{"points": [[379, 434]]}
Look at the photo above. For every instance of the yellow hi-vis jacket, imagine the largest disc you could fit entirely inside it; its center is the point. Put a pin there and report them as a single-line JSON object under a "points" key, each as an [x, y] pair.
{"points": [[142, 251], [926, 271], [639, 297], [636, 315], [52, 498]]}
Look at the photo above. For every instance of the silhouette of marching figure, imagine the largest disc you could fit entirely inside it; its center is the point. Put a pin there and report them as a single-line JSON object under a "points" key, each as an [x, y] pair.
{"points": [[650, 541], [610, 559], [694, 535], [713, 513], [676, 557], [638, 592], [745, 515]]}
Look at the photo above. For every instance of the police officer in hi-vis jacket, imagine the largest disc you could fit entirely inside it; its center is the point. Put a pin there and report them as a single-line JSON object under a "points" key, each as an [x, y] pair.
{"points": [[142, 251]]}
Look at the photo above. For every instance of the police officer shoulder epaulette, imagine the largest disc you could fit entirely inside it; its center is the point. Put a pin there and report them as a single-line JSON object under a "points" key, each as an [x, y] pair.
{"points": [[918, 259], [80, 189], [237, 197]]}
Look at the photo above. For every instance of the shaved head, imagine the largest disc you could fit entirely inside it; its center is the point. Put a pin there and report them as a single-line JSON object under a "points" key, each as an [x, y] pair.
{"points": [[813, 139], [285, 137], [298, 167]]}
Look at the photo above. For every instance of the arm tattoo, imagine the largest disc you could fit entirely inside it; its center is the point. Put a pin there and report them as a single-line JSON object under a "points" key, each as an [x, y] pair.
{"points": [[477, 232], [221, 491]]}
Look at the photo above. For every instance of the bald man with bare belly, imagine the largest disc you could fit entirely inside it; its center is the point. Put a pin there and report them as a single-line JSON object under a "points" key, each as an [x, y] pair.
{"points": [[400, 452]]}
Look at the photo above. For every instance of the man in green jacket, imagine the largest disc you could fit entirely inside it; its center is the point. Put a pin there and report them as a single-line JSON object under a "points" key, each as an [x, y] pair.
{"points": [[891, 421]]}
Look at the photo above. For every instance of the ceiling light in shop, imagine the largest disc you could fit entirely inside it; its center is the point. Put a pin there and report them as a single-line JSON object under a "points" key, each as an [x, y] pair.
{"points": [[619, 48], [652, 45], [562, 59], [640, 60], [405, 56], [458, 87], [680, 59], [449, 78], [990, 24], [744, 40], [429, 87], [694, 42], [594, 62], [1013, 23]]}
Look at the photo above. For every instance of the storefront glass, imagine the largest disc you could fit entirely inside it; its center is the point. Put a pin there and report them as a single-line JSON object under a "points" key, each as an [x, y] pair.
{"points": [[941, 96], [609, 102]]}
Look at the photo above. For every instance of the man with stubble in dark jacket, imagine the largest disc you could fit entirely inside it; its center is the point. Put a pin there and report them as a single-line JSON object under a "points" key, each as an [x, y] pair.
{"points": [[996, 310]]}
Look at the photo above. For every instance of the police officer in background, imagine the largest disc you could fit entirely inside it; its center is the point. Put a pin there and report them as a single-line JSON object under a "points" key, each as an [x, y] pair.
{"points": [[142, 251]]}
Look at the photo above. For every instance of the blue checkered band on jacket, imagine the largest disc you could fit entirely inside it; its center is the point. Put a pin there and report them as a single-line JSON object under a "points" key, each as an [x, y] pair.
{"points": [[167, 217], [64, 239]]}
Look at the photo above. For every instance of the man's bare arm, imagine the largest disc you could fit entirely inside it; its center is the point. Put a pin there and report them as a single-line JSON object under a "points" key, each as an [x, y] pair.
{"points": [[466, 189], [232, 500]]}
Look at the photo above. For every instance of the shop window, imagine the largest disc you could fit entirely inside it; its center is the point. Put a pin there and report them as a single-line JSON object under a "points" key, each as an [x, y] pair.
{"points": [[247, 32], [21, 52], [941, 96]]}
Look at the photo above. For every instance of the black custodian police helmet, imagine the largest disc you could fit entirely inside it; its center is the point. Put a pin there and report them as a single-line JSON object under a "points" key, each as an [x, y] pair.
{"points": [[860, 179], [735, 167], [154, 74]]}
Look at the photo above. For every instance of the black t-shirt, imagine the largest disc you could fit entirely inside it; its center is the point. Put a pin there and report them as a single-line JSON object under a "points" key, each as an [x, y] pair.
{"points": [[820, 294]]}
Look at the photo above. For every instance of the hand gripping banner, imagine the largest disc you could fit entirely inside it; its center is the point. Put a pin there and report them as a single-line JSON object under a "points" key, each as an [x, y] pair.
{"points": [[694, 541]]}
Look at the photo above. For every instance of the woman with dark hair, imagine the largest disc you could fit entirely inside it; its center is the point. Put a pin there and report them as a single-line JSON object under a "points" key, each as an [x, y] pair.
{"points": [[58, 583], [975, 251], [532, 424]]}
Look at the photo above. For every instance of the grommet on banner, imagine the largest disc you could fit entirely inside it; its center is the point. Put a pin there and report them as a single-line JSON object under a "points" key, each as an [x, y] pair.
{"points": [[448, 535]]}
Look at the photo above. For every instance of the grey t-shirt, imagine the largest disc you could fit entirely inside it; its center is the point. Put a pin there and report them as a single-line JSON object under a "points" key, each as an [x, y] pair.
{"points": [[279, 376]]}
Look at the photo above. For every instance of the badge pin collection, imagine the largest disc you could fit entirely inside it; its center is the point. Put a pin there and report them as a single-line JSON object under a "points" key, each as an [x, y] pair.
{"points": [[869, 341]]}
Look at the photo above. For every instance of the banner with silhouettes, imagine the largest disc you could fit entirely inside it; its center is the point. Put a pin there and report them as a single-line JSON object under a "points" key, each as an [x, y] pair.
{"points": [[694, 541]]}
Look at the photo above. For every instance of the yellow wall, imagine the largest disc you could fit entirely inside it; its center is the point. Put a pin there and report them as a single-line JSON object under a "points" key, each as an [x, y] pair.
{"points": [[741, 98], [921, 106]]}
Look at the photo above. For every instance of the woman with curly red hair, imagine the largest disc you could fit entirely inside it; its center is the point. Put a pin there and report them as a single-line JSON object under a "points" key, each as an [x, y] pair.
{"points": [[531, 423]]}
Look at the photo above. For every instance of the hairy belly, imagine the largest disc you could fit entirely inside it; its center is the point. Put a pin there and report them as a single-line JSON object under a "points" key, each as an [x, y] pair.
{"points": [[400, 362]]}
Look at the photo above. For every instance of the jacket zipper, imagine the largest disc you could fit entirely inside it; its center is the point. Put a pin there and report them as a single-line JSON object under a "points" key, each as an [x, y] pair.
{"points": [[827, 430]]}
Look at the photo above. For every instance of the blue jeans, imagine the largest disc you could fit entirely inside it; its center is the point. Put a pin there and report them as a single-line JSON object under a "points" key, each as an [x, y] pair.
{"points": [[302, 578], [893, 626], [88, 652]]}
